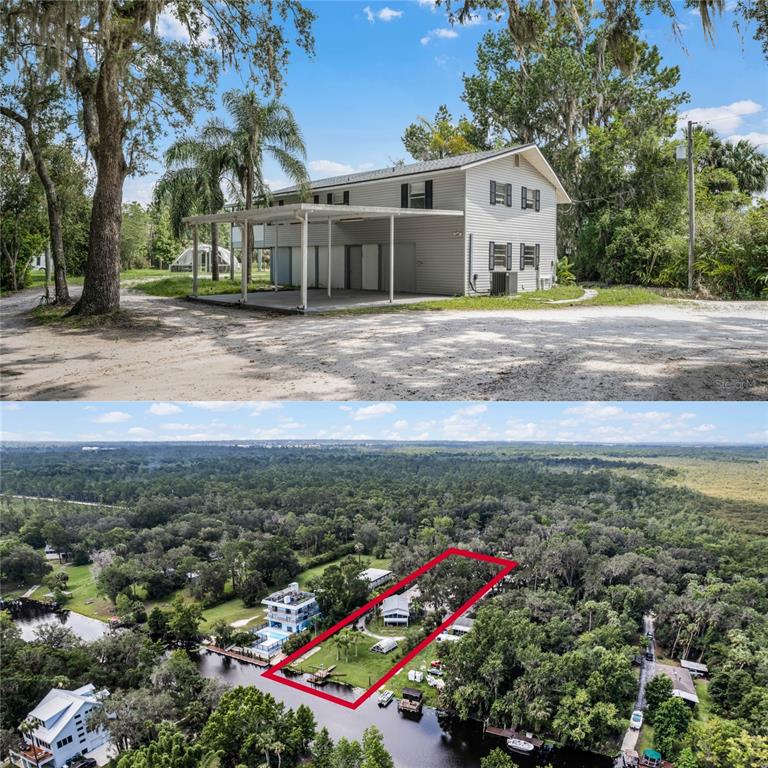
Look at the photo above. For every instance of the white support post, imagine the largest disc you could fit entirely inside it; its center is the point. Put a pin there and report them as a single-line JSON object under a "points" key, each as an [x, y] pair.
{"points": [[194, 259], [330, 258], [274, 256], [391, 259], [304, 249], [231, 252], [244, 263]]}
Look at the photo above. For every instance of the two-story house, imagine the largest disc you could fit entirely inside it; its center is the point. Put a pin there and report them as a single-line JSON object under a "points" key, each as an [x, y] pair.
{"points": [[61, 731], [291, 609], [479, 223]]}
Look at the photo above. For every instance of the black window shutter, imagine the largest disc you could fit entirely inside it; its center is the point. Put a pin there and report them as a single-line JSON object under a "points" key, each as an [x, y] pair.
{"points": [[538, 255], [329, 198], [537, 199], [281, 202], [491, 249], [523, 197], [316, 199], [428, 194], [346, 197], [493, 193], [522, 256], [509, 257], [403, 195], [508, 195]]}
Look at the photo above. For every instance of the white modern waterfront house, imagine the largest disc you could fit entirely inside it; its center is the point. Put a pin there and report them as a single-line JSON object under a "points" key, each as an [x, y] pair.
{"points": [[479, 223], [289, 611], [375, 577], [61, 729], [396, 611]]}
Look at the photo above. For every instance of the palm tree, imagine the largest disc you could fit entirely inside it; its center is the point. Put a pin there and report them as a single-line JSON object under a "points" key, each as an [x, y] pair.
{"points": [[27, 728], [262, 129], [743, 159], [195, 169]]}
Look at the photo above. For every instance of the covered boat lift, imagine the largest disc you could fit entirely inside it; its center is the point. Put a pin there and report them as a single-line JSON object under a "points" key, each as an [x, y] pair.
{"points": [[302, 214]]}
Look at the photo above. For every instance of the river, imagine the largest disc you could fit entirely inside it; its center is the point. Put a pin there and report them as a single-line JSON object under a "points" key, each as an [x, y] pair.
{"points": [[85, 628], [412, 744]]}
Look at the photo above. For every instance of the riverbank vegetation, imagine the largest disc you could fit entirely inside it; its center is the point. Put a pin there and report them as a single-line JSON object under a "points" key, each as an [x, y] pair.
{"points": [[602, 535]]}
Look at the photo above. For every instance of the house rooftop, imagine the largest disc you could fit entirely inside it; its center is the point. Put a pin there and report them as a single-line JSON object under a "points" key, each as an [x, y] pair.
{"points": [[373, 574], [395, 603], [682, 682], [694, 666], [59, 705], [409, 169], [291, 595]]}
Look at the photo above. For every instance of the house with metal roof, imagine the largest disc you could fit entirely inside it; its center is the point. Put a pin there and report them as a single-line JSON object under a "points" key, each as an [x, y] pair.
{"points": [[478, 223], [375, 577], [61, 729], [396, 611], [682, 682]]}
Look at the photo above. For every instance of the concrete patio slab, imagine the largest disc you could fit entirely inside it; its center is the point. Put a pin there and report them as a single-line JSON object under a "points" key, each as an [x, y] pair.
{"points": [[318, 301]]}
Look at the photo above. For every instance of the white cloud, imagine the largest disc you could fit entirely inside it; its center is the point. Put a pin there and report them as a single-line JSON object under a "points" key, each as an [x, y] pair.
{"points": [[724, 119], [139, 189], [263, 406], [163, 409], [384, 14], [180, 427], [388, 14], [430, 4], [330, 166], [141, 433], [169, 27], [112, 417], [443, 33], [595, 410], [760, 140], [372, 411], [400, 425]]}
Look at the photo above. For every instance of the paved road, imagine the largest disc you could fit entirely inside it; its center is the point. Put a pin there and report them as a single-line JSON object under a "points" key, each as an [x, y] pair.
{"points": [[177, 350]]}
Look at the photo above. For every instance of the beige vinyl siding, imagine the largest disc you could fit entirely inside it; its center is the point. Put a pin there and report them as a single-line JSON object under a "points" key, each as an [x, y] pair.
{"points": [[500, 224], [438, 240]]}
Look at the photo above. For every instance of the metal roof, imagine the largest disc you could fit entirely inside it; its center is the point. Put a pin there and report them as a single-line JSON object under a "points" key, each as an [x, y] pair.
{"points": [[410, 169], [395, 603]]}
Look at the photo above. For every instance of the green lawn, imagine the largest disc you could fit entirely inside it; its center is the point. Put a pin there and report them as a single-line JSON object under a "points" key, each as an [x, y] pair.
{"points": [[614, 296], [84, 598], [37, 279], [646, 739], [177, 285], [367, 561], [378, 628]]}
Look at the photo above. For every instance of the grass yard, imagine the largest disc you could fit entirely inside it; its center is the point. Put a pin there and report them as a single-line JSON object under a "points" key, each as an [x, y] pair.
{"points": [[367, 561], [377, 627], [84, 597], [613, 296], [363, 667], [646, 739], [231, 611], [177, 285]]}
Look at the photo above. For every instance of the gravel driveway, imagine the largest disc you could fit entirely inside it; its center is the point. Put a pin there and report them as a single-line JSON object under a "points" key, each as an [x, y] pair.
{"points": [[184, 351]]}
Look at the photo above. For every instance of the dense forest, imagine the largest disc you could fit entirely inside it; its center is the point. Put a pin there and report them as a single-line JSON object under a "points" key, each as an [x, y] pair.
{"points": [[601, 540]]}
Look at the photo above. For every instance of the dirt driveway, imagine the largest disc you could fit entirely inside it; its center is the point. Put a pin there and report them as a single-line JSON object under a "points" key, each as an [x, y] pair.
{"points": [[184, 351]]}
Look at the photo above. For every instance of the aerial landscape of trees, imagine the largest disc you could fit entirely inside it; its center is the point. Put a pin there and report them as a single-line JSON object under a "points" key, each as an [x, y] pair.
{"points": [[579, 80], [600, 541]]}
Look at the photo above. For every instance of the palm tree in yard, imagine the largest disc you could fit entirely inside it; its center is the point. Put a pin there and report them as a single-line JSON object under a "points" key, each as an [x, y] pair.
{"points": [[261, 129], [195, 169]]}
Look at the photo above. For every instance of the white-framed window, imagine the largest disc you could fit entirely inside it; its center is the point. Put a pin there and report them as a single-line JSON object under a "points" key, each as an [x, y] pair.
{"points": [[529, 256], [530, 198], [499, 256], [417, 194], [501, 193]]}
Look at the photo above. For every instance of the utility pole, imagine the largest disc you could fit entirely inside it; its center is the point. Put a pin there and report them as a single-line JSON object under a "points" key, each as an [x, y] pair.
{"points": [[691, 208]]}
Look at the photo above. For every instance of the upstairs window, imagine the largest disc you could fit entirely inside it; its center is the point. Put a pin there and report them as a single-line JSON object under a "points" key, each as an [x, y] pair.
{"points": [[416, 194], [530, 198], [529, 256], [337, 198], [501, 194]]}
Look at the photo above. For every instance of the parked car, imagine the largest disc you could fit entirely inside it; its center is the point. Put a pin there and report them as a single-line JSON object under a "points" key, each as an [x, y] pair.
{"points": [[636, 721], [649, 654]]}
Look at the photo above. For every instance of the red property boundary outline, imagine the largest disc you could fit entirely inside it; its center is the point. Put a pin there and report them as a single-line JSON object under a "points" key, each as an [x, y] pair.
{"points": [[507, 567]]}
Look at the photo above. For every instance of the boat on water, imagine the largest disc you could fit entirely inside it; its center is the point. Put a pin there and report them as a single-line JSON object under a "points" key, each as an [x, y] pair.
{"points": [[385, 697], [519, 745]]}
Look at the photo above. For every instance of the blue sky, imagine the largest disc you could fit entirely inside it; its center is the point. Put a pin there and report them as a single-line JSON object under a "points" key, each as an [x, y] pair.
{"points": [[604, 422], [379, 65]]}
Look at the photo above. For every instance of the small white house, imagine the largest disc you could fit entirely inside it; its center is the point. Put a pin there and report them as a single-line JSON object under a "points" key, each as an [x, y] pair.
{"points": [[62, 731], [376, 577], [395, 611], [183, 262]]}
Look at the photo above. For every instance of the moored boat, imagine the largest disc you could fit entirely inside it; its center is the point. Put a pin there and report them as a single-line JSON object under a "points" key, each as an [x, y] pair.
{"points": [[385, 697], [519, 745]]}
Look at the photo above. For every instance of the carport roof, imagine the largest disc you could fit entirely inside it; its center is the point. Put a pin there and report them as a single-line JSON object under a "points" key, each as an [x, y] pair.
{"points": [[278, 214]]}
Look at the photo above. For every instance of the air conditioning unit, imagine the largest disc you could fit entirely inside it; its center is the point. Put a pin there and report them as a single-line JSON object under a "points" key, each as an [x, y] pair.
{"points": [[503, 283]]}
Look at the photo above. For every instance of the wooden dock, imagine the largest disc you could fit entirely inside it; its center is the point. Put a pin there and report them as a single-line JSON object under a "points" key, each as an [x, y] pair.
{"points": [[511, 733], [234, 655]]}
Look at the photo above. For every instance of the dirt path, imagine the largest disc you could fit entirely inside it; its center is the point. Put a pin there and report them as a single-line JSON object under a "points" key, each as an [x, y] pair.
{"points": [[184, 351]]}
